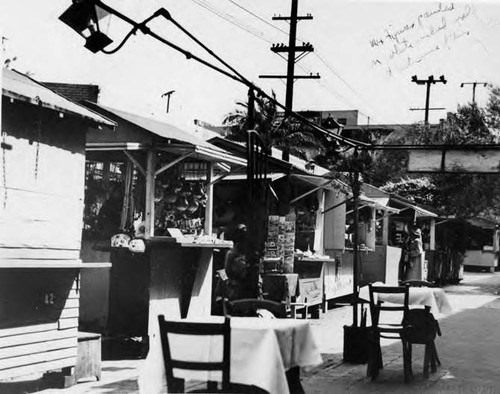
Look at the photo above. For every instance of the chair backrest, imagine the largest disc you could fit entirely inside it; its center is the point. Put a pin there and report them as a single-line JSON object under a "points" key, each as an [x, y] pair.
{"points": [[249, 306], [397, 307], [197, 329]]}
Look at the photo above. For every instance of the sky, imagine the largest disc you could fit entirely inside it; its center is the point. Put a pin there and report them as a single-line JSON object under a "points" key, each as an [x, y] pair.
{"points": [[364, 51]]}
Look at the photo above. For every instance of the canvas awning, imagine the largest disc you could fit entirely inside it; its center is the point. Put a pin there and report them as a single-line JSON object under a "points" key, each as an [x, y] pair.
{"points": [[18, 86]]}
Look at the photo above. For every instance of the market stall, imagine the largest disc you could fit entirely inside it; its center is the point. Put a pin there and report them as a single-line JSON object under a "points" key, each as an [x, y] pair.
{"points": [[391, 232], [476, 239], [41, 200], [158, 226], [303, 243]]}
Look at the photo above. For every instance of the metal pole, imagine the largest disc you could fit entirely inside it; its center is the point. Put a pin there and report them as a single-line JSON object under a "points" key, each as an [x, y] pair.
{"points": [[355, 268]]}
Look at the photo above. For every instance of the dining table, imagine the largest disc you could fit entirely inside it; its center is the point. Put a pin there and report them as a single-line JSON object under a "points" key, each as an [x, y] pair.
{"points": [[263, 353], [434, 297]]}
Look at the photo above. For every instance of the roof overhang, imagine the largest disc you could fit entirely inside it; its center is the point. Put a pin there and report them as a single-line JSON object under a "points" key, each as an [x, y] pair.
{"points": [[200, 152], [420, 212], [18, 86]]}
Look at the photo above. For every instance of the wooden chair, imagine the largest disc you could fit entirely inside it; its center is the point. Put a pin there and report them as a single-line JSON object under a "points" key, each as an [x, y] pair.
{"points": [[176, 385], [248, 307], [422, 329], [387, 328]]}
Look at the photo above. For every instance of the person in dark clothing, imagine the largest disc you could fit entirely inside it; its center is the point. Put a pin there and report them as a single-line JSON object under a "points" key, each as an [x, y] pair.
{"points": [[237, 269]]}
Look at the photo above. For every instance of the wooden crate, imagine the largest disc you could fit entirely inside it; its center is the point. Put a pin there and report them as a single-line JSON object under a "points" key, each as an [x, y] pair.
{"points": [[88, 361]]}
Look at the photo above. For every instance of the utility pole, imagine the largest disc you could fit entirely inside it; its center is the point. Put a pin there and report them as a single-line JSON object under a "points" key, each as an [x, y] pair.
{"points": [[428, 82], [292, 49], [474, 84]]}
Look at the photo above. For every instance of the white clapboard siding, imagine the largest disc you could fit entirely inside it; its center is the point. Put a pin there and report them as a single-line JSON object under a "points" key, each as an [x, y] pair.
{"points": [[72, 303], [37, 328], [37, 358], [70, 322], [58, 171], [38, 368], [32, 253], [37, 220], [65, 313], [40, 347], [36, 337]]}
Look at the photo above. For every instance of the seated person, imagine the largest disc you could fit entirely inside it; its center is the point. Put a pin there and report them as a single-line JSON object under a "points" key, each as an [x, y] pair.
{"points": [[238, 284]]}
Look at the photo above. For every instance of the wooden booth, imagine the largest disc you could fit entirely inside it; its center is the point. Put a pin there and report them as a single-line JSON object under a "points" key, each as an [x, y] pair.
{"points": [[481, 243], [153, 184], [41, 203], [391, 230]]}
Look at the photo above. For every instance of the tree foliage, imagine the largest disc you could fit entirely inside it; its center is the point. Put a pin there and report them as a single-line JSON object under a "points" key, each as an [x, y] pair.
{"points": [[463, 195], [281, 131]]}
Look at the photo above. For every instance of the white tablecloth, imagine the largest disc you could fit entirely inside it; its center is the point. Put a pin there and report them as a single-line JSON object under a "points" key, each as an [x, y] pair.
{"points": [[434, 297], [261, 352]]}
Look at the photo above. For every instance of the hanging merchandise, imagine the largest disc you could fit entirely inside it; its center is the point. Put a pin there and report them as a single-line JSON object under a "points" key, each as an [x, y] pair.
{"points": [[192, 204], [169, 194], [181, 203]]}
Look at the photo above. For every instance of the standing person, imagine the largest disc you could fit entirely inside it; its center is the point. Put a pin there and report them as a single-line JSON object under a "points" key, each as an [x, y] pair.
{"points": [[410, 264], [415, 252]]}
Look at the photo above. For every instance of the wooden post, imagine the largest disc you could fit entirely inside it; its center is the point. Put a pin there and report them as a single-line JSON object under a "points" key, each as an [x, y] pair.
{"points": [[370, 233], [432, 235], [209, 208], [385, 229], [319, 229], [150, 194]]}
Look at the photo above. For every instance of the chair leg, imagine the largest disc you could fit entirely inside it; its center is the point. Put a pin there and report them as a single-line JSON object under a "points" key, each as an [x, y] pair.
{"points": [[407, 361], [374, 360], [410, 355], [434, 357], [427, 357]]}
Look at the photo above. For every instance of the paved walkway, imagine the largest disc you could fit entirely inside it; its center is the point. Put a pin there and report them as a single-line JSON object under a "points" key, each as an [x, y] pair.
{"points": [[469, 351]]}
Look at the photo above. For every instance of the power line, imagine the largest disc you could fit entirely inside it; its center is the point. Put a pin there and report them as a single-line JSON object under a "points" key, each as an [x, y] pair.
{"points": [[259, 17], [232, 20], [260, 35]]}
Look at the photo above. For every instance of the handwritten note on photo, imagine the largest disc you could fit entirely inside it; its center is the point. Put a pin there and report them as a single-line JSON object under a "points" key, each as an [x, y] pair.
{"points": [[439, 27]]}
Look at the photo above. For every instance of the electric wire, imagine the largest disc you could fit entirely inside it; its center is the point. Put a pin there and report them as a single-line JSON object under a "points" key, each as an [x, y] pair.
{"points": [[320, 57], [236, 76], [232, 20], [259, 18], [250, 84]]}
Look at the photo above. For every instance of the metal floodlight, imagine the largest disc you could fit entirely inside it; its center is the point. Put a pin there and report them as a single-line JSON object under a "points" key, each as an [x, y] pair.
{"points": [[82, 16], [441, 78], [461, 85], [414, 78]]}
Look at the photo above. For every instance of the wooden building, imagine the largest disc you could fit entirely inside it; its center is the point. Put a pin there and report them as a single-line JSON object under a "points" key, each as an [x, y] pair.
{"points": [[41, 204]]}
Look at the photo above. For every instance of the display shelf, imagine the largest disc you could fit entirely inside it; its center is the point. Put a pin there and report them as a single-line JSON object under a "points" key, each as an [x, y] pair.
{"points": [[190, 244], [314, 260]]}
